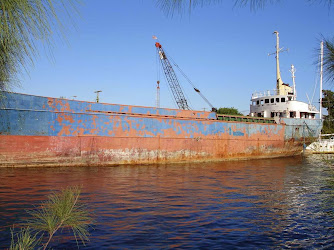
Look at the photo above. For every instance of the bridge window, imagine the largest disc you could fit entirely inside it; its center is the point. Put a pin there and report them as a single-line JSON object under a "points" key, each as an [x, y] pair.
{"points": [[277, 99], [272, 100], [283, 99], [266, 101]]}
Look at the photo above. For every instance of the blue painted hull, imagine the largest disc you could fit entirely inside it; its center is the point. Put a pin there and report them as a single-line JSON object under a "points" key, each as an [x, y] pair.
{"points": [[38, 130]]}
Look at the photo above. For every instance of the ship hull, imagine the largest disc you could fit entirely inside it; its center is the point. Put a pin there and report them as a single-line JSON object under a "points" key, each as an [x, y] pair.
{"points": [[42, 131]]}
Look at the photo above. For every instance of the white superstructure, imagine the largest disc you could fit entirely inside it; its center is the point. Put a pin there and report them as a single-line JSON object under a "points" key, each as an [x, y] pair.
{"points": [[281, 102]]}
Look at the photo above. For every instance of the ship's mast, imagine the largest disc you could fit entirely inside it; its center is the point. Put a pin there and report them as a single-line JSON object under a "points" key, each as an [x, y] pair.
{"points": [[321, 74], [279, 83], [278, 72]]}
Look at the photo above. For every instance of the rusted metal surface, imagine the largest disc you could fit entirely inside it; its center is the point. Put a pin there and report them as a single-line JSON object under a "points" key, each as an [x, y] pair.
{"points": [[49, 131], [301, 128]]}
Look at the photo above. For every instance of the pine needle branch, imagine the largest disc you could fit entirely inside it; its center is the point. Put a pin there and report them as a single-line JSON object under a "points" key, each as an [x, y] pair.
{"points": [[62, 210], [329, 59], [22, 23]]}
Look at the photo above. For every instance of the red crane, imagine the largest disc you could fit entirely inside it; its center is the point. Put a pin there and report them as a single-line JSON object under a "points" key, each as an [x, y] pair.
{"points": [[173, 82]]}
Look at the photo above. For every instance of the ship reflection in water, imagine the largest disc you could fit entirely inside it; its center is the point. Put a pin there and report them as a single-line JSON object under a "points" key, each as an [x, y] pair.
{"points": [[258, 204]]}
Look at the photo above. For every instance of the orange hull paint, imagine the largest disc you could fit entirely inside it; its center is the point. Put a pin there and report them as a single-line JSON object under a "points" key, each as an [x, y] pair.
{"points": [[91, 150]]}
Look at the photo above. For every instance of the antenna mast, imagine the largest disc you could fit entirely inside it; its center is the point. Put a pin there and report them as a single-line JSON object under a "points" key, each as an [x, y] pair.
{"points": [[321, 74], [158, 95], [97, 95], [293, 71]]}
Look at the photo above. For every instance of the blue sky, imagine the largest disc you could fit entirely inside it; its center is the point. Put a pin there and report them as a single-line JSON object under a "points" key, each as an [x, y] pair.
{"points": [[223, 49]]}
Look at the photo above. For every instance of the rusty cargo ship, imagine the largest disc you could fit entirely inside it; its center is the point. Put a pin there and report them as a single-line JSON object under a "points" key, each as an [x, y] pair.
{"points": [[47, 131]]}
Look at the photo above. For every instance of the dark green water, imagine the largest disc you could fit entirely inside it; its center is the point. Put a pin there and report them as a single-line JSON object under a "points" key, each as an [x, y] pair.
{"points": [[277, 203]]}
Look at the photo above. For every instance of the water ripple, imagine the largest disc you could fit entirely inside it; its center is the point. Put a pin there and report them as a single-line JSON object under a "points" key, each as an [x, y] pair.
{"points": [[281, 203]]}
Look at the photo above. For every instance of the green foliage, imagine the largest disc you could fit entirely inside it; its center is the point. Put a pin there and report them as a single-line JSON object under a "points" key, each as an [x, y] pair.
{"points": [[228, 111], [22, 22], [169, 7], [61, 210], [328, 103], [24, 240], [329, 59], [256, 4]]}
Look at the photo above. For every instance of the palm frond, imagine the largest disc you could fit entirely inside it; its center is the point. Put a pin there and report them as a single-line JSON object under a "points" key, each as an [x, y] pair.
{"points": [[22, 23], [329, 59], [255, 4], [169, 7], [326, 2]]}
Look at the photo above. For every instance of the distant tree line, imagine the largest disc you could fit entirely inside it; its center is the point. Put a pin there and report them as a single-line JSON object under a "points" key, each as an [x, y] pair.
{"points": [[228, 111], [328, 103]]}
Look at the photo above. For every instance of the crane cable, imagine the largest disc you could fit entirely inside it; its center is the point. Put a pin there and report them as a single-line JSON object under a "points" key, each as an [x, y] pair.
{"points": [[191, 83]]}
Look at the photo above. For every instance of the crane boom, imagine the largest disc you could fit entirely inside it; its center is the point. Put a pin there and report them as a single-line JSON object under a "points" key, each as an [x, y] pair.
{"points": [[173, 82]]}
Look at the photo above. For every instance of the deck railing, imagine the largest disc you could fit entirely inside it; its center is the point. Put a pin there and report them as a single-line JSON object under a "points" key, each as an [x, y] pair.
{"points": [[264, 93], [236, 118]]}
